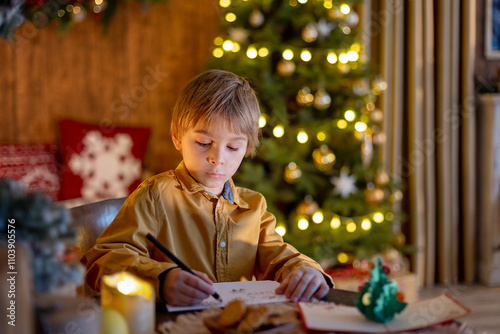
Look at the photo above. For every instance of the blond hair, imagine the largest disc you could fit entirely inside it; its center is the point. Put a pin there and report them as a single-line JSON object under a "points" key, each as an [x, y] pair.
{"points": [[217, 95]]}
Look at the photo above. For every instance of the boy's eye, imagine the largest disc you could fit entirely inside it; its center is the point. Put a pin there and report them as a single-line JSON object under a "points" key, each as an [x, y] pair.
{"points": [[203, 144], [233, 148]]}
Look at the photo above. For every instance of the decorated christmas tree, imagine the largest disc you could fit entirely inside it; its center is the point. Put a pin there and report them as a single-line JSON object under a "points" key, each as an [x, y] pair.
{"points": [[318, 164]]}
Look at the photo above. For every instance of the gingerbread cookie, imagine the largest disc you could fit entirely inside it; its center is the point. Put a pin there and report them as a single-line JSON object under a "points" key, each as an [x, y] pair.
{"points": [[232, 313]]}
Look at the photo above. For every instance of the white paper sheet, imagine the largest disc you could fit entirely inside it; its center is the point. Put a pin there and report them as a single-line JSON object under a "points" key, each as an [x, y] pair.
{"points": [[251, 292], [331, 317]]}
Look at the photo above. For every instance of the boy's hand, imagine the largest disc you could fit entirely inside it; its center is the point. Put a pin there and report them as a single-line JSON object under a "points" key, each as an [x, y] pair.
{"points": [[303, 283], [181, 288]]}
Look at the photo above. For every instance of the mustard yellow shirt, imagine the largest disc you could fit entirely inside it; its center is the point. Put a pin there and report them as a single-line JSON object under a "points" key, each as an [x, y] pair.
{"points": [[225, 239]]}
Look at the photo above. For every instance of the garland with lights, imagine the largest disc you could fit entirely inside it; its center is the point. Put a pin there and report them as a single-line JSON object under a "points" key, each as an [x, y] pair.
{"points": [[318, 164], [66, 12]]}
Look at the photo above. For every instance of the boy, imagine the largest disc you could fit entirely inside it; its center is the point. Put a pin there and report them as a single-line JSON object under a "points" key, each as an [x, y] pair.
{"points": [[221, 231]]}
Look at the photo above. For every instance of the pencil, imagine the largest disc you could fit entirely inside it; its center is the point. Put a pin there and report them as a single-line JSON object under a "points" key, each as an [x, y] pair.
{"points": [[175, 259]]}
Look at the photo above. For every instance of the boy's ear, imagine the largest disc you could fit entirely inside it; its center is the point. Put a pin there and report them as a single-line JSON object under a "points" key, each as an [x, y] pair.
{"points": [[176, 141]]}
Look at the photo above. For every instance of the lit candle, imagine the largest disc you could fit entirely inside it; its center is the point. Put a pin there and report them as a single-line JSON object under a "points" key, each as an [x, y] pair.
{"points": [[131, 297]]}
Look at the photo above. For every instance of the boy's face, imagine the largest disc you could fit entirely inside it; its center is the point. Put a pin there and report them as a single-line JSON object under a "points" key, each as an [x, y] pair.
{"points": [[212, 154]]}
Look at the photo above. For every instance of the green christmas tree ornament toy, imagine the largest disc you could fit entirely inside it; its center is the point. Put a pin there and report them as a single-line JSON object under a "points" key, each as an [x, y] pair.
{"points": [[380, 299]]}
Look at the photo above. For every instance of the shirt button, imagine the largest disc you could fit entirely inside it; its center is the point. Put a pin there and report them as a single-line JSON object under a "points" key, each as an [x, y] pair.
{"points": [[223, 244]]}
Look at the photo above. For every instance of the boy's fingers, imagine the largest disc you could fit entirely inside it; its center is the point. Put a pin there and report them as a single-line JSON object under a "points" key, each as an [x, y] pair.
{"points": [[293, 284], [311, 288], [203, 276], [198, 283], [284, 284], [322, 291], [188, 296], [301, 287]]}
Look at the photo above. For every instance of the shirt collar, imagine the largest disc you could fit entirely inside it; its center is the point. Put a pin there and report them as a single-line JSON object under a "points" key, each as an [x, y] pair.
{"points": [[189, 184]]}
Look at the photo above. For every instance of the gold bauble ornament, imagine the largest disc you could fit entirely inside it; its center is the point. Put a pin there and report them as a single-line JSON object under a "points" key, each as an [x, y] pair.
{"points": [[310, 33], [292, 173], [361, 87], [324, 158], [399, 240], [379, 85], [304, 97], [379, 138], [374, 196], [396, 196], [335, 13], [381, 178], [322, 100], [377, 115], [352, 19], [256, 18], [286, 67], [307, 207]]}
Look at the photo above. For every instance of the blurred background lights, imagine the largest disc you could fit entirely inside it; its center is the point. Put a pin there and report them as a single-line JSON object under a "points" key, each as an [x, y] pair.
{"points": [[366, 224], [230, 17], [378, 217], [360, 126], [278, 131], [236, 47], [349, 115], [251, 52], [341, 124], [305, 55], [356, 47], [303, 224], [217, 41], [317, 217], [224, 3], [263, 52], [328, 4], [218, 52], [343, 58], [352, 55], [342, 257], [302, 137], [98, 2], [281, 230], [331, 58], [321, 136], [351, 227], [389, 216], [345, 9], [262, 121], [335, 223], [302, 1], [227, 45], [288, 54]]}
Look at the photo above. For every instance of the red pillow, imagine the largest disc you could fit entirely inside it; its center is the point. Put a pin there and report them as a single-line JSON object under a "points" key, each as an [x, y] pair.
{"points": [[101, 161], [34, 164]]}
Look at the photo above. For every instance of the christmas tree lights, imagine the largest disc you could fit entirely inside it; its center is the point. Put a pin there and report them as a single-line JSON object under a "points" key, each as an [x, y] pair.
{"points": [[318, 164]]}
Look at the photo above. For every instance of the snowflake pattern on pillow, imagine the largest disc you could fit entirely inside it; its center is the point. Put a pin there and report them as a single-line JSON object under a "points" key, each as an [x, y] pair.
{"points": [[101, 162], [92, 164]]}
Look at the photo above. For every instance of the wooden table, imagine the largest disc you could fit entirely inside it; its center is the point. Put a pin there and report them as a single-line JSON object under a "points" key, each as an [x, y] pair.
{"points": [[337, 296]]}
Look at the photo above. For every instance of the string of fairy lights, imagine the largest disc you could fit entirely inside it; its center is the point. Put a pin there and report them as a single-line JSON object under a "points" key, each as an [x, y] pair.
{"points": [[324, 158]]}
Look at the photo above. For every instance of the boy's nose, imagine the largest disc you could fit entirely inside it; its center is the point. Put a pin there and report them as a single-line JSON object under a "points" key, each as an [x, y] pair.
{"points": [[215, 158]]}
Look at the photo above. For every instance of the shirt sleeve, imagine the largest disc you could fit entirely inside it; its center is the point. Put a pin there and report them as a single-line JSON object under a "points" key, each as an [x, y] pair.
{"points": [[276, 258], [123, 245]]}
